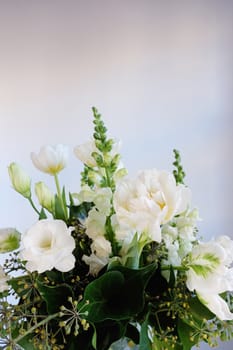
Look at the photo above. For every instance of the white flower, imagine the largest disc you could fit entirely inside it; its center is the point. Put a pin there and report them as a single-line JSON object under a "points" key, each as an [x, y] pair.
{"points": [[101, 247], [20, 180], [84, 153], [3, 281], [51, 159], [95, 224], [209, 276], [150, 200], [9, 239], [45, 196], [95, 263], [101, 197], [48, 244]]}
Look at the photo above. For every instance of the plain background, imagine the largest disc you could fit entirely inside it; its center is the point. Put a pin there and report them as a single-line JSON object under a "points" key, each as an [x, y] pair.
{"points": [[160, 72]]}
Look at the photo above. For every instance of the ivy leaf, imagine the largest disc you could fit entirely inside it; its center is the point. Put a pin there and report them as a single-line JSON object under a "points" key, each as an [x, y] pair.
{"points": [[116, 295], [186, 334], [145, 343], [54, 296]]}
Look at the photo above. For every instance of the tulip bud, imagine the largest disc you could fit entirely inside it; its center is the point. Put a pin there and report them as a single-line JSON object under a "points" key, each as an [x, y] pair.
{"points": [[9, 239], [21, 182], [45, 196]]}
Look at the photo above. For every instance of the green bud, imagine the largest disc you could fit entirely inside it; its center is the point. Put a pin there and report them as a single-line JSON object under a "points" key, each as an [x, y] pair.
{"points": [[21, 182], [45, 196], [9, 239]]}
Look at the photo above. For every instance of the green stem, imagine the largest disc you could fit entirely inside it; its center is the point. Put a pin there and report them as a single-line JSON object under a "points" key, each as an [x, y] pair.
{"points": [[33, 205], [177, 268], [41, 323]]}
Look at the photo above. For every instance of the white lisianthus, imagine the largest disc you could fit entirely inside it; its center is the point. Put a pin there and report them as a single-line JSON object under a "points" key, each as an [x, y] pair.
{"points": [[51, 159], [3, 281], [150, 200], [9, 239], [20, 180], [209, 275], [48, 244], [45, 196]]}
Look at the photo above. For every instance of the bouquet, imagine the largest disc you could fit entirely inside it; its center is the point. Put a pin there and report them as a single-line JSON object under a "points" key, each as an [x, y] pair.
{"points": [[117, 265]]}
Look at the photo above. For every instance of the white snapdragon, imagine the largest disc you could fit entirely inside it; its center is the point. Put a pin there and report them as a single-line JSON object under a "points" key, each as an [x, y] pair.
{"points": [[3, 281], [101, 197], [210, 274], [84, 153], [48, 244], [152, 199], [95, 263], [51, 159]]}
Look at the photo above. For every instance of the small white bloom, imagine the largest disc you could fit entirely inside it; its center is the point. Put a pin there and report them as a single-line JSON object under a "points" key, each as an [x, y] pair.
{"points": [[48, 244], [9, 239], [95, 224], [3, 281], [101, 197], [101, 247], [51, 159], [84, 153], [45, 196], [95, 263], [20, 180], [150, 200], [209, 276]]}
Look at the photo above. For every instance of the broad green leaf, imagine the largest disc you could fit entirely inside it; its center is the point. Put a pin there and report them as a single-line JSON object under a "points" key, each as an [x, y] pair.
{"points": [[54, 296], [118, 294]]}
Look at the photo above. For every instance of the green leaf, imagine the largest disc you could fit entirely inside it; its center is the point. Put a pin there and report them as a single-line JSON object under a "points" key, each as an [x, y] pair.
{"points": [[186, 334], [145, 343], [116, 295], [54, 296], [59, 209], [199, 311], [42, 214]]}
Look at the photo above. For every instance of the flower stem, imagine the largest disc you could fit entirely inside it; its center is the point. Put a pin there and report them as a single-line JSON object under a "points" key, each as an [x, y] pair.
{"points": [[33, 205], [41, 323]]}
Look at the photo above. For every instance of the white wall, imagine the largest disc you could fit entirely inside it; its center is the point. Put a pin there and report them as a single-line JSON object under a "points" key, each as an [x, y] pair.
{"points": [[159, 71]]}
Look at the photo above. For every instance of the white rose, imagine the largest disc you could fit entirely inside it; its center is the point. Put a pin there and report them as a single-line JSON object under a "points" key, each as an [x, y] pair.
{"points": [[150, 200], [3, 281], [48, 244], [209, 276], [51, 159]]}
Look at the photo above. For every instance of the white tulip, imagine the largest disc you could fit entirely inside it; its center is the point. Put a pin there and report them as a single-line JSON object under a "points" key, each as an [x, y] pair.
{"points": [[48, 244], [51, 159]]}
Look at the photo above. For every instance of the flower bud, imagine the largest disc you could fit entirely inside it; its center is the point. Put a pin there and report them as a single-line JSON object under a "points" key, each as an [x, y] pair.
{"points": [[9, 239], [21, 182], [45, 196]]}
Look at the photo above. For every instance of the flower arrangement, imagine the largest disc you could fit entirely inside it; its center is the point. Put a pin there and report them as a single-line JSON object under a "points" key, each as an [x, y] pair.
{"points": [[117, 265]]}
